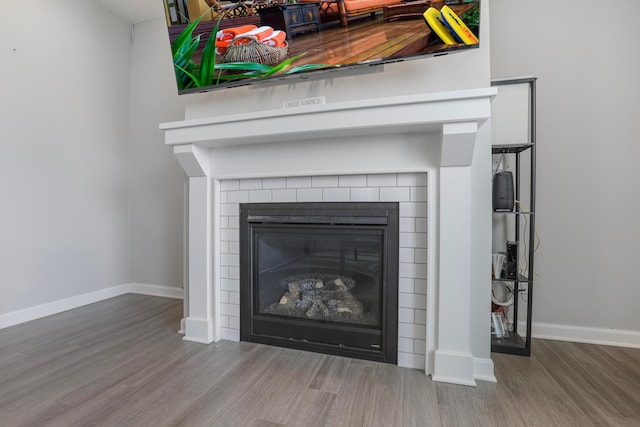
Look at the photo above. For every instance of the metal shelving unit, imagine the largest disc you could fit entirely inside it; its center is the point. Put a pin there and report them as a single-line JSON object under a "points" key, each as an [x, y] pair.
{"points": [[523, 154]]}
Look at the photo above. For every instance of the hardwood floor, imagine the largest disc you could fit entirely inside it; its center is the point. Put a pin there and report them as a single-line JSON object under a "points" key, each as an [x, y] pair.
{"points": [[120, 362]]}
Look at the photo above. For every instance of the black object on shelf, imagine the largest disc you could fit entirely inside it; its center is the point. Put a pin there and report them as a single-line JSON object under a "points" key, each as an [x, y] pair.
{"points": [[294, 19], [503, 192], [520, 247]]}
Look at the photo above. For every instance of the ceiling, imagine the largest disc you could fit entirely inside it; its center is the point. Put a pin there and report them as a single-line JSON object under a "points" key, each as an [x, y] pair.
{"points": [[134, 11]]}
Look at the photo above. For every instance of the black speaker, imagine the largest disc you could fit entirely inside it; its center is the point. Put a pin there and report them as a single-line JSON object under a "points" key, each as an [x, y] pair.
{"points": [[511, 263], [503, 192]]}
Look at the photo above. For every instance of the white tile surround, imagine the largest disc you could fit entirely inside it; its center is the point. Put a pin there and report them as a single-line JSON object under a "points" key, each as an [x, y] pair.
{"points": [[438, 136], [409, 189]]}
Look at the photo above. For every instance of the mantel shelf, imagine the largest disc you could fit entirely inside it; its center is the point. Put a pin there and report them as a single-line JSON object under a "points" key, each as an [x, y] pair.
{"points": [[411, 113]]}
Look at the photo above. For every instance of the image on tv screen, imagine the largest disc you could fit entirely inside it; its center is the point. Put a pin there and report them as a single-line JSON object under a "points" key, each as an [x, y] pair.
{"points": [[219, 44]]}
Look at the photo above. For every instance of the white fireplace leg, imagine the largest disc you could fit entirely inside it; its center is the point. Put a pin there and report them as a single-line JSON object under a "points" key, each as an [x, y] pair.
{"points": [[199, 325], [454, 362]]}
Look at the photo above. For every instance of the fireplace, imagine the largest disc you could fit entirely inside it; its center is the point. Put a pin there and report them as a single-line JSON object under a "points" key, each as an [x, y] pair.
{"points": [[445, 239], [321, 277]]}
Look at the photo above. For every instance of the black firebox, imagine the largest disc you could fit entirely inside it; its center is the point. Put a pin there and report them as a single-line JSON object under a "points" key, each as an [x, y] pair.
{"points": [[321, 277]]}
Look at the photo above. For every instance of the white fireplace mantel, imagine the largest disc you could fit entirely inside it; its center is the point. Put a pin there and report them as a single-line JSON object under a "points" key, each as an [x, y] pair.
{"points": [[446, 123]]}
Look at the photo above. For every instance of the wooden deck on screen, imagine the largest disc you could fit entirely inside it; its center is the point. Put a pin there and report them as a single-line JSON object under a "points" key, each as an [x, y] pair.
{"points": [[363, 40]]}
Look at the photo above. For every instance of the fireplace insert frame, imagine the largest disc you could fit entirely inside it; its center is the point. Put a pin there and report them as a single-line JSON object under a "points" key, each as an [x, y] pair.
{"points": [[343, 339]]}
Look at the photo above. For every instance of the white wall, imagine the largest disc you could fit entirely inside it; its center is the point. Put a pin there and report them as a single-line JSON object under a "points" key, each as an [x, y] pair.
{"points": [[157, 180], [64, 117], [585, 56]]}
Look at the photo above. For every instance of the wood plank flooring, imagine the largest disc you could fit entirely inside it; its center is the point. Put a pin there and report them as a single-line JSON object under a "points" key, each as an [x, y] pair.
{"points": [[121, 362]]}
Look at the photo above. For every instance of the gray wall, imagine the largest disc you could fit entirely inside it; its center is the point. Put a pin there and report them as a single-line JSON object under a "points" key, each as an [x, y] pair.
{"points": [[585, 56], [64, 118], [156, 188]]}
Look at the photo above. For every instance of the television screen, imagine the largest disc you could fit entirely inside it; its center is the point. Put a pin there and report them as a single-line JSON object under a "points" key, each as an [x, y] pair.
{"points": [[219, 44]]}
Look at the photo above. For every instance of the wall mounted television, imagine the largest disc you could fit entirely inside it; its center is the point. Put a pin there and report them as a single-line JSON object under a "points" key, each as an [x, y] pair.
{"points": [[219, 44]]}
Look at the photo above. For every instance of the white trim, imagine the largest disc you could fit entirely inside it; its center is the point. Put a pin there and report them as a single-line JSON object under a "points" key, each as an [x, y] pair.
{"points": [[584, 334], [32, 313], [454, 367], [483, 370], [156, 290], [55, 307], [198, 329]]}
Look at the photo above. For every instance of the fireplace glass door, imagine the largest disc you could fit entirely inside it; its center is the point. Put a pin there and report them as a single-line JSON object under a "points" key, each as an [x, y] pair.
{"points": [[318, 277]]}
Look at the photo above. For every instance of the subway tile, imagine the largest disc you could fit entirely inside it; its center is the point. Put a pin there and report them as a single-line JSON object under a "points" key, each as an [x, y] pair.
{"points": [[336, 194], [309, 195], [231, 260], [234, 248], [234, 221], [251, 184], [419, 346], [230, 334], [421, 225], [410, 330], [230, 235], [224, 222], [234, 298], [382, 180], [413, 209], [352, 180], [329, 181], [229, 185], [406, 285], [234, 323], [411, 301], [299, 182], [413, 270], [420, 256], [405, 345], [407, 225], [407, 255], [224, 247], [394, 194], [230, 285], [260, 196], [234, 272], [412, 179], [224, 321], [406, 315], [365, 194], [224, 297], [231, 310], [413, 240], [274, 183], [410, 360], [418, 194], [287, 195], [420, 286], [224, 272], [237, 196], [420, 317], [230, 209]]}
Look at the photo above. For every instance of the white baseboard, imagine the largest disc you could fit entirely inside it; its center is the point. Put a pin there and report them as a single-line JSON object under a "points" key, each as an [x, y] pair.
{"points": [[32, 313], [584, 334], [156, 290], [55, 307], [483, 370]]}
